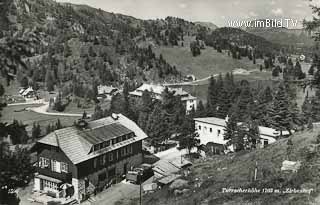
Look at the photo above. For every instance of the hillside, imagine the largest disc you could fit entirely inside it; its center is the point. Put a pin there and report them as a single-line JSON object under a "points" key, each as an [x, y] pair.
{"points": [[237, 171], [226, 37], [286, 37], [209, 25], [210, 61], [83, 44]]}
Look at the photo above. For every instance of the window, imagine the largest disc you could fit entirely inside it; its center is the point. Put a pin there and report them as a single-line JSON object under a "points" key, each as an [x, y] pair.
{"points": [[265, 142], [64, 167], [219, 131], [55, 166], [96, 147], [101, 160], [117, 154], [50, 185], [44, 162], [131, 150], [104, 159], [210, 129], [124, 138], [199, 127], [111, 157], [122, 152], [113, 141], [95, 163]]}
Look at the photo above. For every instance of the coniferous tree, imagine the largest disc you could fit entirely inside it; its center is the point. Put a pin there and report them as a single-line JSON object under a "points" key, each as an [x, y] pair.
{"points": [[212, 97], [49, 81], [98, 113], [36, 130], [244, 103], [201, 111], [281, 117]]}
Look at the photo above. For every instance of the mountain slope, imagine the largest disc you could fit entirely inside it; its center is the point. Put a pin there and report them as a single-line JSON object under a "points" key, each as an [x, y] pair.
{"points": [[83, 46]]}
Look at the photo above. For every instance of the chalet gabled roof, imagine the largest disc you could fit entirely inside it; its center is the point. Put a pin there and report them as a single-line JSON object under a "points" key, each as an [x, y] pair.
{"points": [[77, 144]]}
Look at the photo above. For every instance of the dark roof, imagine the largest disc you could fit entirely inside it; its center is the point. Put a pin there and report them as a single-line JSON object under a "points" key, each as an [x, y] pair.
{"points": [[104, 133], [77, 143]]}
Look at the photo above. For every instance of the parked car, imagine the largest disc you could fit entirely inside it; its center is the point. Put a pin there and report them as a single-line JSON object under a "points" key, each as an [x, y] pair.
{"points": [[140, 174]]}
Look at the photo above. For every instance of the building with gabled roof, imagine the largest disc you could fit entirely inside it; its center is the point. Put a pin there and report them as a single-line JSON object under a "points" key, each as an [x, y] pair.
{"points": [[156, 91], [86, 158], [211, 131]]}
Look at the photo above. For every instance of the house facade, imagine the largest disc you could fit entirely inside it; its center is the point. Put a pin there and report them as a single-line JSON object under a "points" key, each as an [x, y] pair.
{"points": [[187, 99], [27, 93], [76, 161], [211, 130]]}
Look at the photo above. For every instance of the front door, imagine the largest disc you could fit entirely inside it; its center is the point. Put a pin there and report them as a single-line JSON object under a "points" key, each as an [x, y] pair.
{"points": [[125, 168]]}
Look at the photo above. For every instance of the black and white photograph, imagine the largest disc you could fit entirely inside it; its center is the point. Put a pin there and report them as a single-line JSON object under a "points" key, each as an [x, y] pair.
{"points": [[159, 102]]}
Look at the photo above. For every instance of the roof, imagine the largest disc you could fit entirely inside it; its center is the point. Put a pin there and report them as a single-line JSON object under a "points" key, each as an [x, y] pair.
{"points": [[27, 91], [212, 120], [103, 89], [169, 179], [164, 168], [76, 143], [158, 89], [51, 179], [268, 131], [104, 133]]}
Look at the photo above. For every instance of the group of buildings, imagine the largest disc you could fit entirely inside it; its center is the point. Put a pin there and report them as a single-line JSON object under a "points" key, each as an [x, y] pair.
{"points": [[76, 161], [189, 101]]}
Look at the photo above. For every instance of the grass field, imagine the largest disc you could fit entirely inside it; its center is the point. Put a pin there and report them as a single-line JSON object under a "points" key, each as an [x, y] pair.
{"points": [[208, 63], [28, 117], [200, 90]]}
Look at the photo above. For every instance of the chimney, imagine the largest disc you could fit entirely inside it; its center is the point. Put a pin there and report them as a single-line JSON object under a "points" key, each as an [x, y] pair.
{"points": [[114, 116]]}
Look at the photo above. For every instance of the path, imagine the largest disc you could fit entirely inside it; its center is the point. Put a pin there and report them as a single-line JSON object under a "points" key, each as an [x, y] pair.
{"points": [[43, 109], [31, 102], [207, 78]]}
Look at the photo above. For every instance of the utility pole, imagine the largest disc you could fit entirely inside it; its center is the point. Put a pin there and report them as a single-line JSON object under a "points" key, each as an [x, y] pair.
{"points": [[140, 179], [255, 171]]}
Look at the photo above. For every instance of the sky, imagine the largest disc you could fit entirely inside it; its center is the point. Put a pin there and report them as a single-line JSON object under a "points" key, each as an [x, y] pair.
{"points": [[218, 12]]}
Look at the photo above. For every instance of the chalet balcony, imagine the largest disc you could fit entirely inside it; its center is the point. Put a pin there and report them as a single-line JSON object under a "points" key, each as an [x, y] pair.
{"points": [[65, 177]]}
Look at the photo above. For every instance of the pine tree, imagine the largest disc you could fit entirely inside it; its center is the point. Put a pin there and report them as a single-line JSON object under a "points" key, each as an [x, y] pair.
{"points": [[281, 117], [98, 113], [84, 115], [49, 81], [201, 111], [244, 103], [58, 124], [36, 131], [212, 97], [232, 133], [315, 107]]}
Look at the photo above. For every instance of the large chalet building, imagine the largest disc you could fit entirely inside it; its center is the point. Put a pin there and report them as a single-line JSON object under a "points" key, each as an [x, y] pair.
{"points": [[75, 161], [187, 99]]}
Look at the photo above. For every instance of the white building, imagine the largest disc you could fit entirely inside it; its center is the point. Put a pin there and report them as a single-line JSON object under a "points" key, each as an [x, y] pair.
{"points": [[156, 90], [106, 91], [211, 130], [27, 93]]}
